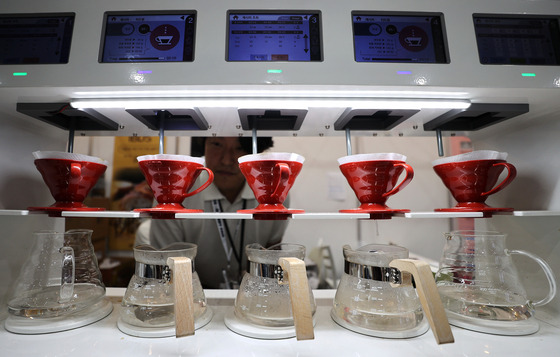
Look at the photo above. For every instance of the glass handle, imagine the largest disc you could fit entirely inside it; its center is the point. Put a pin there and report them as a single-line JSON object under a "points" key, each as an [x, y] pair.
{"points": [[547, 272], [68, 275]]}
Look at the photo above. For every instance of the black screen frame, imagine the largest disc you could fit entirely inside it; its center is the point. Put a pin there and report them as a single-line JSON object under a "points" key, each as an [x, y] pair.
{"points": [[278, 12], [442, 44], [145, 13], [68, 34], [524, 17]]}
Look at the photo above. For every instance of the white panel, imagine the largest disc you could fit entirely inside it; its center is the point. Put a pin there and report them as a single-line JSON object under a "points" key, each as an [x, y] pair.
{"points": [[335, 77]]}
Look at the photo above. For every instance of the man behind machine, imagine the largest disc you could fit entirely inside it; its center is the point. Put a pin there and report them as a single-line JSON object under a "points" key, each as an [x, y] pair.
{"points": [[220, 260]]}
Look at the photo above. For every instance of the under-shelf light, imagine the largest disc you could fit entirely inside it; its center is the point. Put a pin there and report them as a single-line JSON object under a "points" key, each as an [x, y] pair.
{"points": [[240, 91], [276, 103]]}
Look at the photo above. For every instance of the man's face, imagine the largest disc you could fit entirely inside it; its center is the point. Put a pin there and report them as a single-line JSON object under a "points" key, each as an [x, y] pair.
{"points": [[221, 157]]}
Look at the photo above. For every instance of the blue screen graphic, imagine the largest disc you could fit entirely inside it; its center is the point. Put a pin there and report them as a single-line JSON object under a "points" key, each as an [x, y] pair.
{"points": [[149, 37], [274, 37], [398, 38]]}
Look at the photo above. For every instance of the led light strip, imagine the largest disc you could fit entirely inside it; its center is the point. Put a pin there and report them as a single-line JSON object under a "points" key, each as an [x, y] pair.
{"points": [[266, 103]]}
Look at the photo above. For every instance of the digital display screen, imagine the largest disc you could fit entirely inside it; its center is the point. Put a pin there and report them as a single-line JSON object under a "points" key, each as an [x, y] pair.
{"points": [[35, 39], [399, 37], [527, 40], [149, 37], [274, 36]]}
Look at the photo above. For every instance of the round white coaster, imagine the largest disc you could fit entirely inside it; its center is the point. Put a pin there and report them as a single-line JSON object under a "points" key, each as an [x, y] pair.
{"points": [[248, 329], [27, 326], [155, 332], [417, 331]]}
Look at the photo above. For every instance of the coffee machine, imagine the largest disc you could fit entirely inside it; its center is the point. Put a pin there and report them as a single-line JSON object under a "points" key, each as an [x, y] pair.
{"points": [[352, 88]]}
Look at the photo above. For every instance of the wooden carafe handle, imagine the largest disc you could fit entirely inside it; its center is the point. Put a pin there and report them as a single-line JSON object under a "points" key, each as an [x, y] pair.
{"points": [[295, 276], [428, 294], [181, 278]]}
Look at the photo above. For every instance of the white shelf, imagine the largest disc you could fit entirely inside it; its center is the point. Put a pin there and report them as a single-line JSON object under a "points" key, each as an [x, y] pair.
{"points": [[299, 216], [327, 215], [442, 215], [12, 212], [104, 214], [103, 338], [536, 213], [214, 215]]}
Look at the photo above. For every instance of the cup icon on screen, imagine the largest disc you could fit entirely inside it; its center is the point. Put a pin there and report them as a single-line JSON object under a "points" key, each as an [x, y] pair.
{"points": [[413, 41], [164, 40]]}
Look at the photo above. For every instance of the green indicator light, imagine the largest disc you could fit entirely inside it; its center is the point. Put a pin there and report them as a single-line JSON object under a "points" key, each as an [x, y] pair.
{"points": [[528, 75], [19, 74], [274, 71]]}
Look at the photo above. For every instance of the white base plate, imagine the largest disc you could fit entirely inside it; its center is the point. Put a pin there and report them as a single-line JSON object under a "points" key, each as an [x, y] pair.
{"points": [[505, 328], [247, 329], [157, 332], [27, 326], [417, 331]]}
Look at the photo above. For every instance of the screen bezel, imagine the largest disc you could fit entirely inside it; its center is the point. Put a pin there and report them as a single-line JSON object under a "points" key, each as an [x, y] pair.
{"points": [[279, 12], [143, 13], [71, 15], [402, 13], [515, 16]]}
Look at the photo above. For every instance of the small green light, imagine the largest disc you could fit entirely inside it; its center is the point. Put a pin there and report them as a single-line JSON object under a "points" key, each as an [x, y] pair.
{"points": [[19, 74], [274, 71], [528, 75]]}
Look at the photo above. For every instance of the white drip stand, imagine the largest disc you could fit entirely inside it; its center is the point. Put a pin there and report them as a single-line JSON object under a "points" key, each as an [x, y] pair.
{"points": [[35, 326], [419, 330], [247, 329], [504, 328], [157, 332]]}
